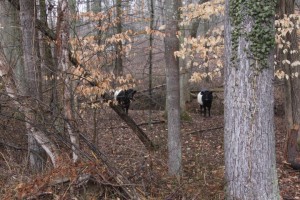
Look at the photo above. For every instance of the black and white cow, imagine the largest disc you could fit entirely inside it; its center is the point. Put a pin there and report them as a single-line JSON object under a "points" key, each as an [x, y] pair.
{"points": [[124, 97], [205, 98]]}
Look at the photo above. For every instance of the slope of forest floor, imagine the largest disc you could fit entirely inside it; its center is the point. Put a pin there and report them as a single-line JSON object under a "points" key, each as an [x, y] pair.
{"points": [[202, 158]]}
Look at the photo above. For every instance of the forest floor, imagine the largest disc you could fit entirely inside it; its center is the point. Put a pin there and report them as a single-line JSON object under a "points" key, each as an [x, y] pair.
{"points": [[202, 157]]}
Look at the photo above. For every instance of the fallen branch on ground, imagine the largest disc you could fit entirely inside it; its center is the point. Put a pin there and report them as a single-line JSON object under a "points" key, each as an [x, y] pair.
{"points": [[152, 122], [137, 130], [210, 129], [143, 124]]}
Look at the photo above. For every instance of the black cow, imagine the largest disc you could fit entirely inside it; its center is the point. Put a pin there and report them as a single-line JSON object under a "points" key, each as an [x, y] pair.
{"points": [[124, 97], [205, 98]]}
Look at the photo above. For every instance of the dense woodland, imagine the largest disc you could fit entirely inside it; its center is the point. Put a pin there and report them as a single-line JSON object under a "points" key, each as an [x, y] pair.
{"points": [[63, 135]]}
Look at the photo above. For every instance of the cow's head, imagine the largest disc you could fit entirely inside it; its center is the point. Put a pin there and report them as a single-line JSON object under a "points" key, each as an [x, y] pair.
{"points": [[207, 95], [130, 93]]}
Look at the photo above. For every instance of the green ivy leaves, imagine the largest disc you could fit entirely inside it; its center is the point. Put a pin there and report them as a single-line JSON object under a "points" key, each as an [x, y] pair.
{"points": [[261, 36]]}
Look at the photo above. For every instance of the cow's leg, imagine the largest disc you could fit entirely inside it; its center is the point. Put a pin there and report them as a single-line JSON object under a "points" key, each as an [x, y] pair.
{"points": [[201, 108], [123, 107], [204, 111], [126, 108]]}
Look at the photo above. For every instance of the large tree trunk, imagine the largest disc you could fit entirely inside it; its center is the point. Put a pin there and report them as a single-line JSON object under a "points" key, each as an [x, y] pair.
{"points": [[184, 76], [249, 120], [50, 68], [184, 87], [195, 25], [172, 73], [292, 147], [62, 52], [30, 88], [295, 81], [11, 89], [119, 60], [292, 84], [10, 37], [151, 38], [16, 78]]}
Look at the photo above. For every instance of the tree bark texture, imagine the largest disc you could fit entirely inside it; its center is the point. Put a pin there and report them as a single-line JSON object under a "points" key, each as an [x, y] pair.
{"points": [[30, 87], [11, 90], [249, 121], [27, 18], [10, 37], [62, 52], [195, 24], [49, 66], [292, 152], [151, 38], [292, 85], [173, 88], [119, 53], [184, 75], [184, 87], [295, 82], [14, 76]]}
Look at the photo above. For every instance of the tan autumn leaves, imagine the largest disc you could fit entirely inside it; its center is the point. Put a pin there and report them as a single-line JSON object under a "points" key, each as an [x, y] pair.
{"points": [[96, 52]]}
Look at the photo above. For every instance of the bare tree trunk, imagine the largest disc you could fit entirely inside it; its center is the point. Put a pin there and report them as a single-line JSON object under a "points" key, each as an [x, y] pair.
{"points": [[63, 64], [151, 56], [292, 84], [11, 89], [184, 76], [288, 105], [18, 79], [50, 68], [184, 73], [72, 21], [184, 87], [249, 137], [30, 89], [11, 39], [291, 149], [292, 57], [119, 60], [39, 69], [161, 6], [173, 96], [196, 23]]}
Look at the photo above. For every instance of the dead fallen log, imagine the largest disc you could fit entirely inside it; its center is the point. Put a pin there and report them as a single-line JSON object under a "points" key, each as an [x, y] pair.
{"points": [[153, 88], [136, 129], [213, 90], [143, 124], [152, 122], [209, 129], [193, 95]]}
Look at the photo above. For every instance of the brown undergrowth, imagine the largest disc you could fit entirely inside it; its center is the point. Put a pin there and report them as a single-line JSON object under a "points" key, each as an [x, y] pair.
{"points": [[147, 172]]}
